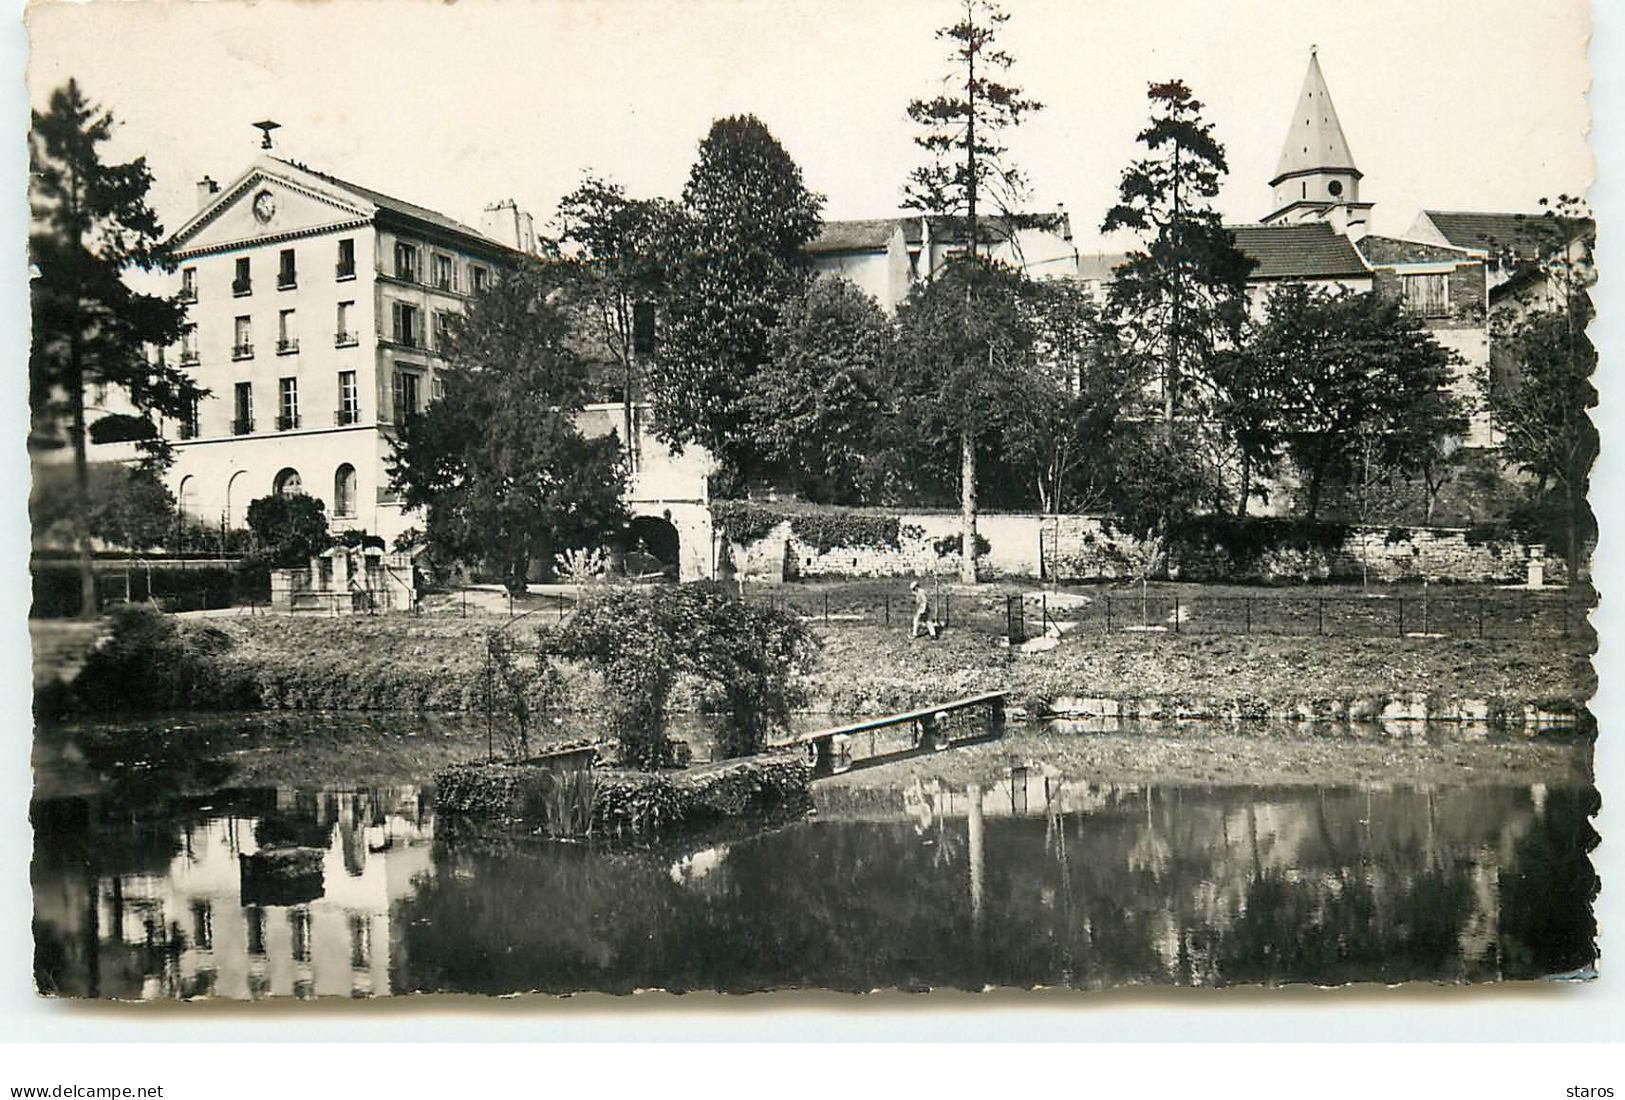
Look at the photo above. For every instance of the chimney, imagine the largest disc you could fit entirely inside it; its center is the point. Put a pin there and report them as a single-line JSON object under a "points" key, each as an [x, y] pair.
{"points": [[504, 221], [207, 189], [1065, 220]]}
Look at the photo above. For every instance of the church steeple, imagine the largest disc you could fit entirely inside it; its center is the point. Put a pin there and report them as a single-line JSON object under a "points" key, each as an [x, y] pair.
{"points": [[1316, 177]]}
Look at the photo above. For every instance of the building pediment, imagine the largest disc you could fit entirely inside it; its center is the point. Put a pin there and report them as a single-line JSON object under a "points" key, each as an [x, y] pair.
{"points": [[264, 205]]}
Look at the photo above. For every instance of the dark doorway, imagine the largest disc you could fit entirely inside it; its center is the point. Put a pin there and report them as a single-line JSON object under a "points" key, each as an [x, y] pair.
{"points": [[650, 537]]}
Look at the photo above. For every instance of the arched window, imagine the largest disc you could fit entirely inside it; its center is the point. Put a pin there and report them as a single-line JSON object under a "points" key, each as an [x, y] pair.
{"points": [[186, 496], [344, 490], [236, 501], [287, 483]]}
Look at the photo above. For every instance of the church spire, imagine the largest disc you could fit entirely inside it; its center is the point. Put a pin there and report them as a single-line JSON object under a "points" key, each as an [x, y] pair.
{"points": [[1314, 140], [1316, 172]]}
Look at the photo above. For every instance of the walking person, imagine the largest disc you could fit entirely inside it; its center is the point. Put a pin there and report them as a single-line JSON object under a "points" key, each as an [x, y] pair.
{"points": [[923, 623]]}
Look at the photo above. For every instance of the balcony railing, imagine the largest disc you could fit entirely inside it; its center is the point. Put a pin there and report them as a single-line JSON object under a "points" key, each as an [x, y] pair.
{"points": [[189, 357], [287, 346], [347, 416], [188, 431], [287, 422], [286, 280], [241, 287], [242, 351], [406, 339], [342, 270], [243, 425], [345, 339], [188, 295]]}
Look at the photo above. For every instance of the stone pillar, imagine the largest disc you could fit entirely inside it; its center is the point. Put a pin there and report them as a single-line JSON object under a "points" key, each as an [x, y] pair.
{"points": [[1537, 566]]}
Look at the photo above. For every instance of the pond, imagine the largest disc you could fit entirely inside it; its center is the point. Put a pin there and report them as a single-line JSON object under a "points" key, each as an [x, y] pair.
{"points": [[143, 888]]}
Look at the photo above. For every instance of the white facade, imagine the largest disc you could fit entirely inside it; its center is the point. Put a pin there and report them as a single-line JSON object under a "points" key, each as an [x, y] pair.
{"points": [[314, 323]]}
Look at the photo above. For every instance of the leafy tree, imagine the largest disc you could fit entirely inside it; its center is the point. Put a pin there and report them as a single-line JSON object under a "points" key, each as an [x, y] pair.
{"points": [[1538, 386], [128, 506], [1067, 425], [619, 245], [966, 344], [813, 406], [288, 530], [1182, 297], [90, 224], [643, 638], [1246, 408], [962, 129], [497, 461], [738, 258], [1363, 382]]}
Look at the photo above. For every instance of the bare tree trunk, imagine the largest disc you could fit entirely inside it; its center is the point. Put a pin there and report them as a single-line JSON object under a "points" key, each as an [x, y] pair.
{"points": [[81, 487], [967, 507]]}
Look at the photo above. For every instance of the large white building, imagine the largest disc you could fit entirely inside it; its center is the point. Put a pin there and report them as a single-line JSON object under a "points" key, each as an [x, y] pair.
{"points": [[316, 315]]}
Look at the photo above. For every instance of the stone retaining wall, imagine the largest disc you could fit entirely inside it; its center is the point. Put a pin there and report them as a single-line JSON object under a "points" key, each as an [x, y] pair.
{"points": [[1084, 548]]}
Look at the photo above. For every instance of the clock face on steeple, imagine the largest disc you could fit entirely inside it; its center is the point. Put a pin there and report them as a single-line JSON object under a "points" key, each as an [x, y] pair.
{"points": [[264, 206], [1335, 187]]}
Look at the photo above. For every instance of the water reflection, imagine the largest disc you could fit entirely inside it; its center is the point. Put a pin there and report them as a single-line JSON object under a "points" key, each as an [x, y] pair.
{"points": [[180, 908], [1036, 879]]}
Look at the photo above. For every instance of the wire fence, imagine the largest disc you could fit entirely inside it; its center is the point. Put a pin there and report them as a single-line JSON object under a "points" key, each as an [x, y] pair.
{"points": [[1024, 615]]}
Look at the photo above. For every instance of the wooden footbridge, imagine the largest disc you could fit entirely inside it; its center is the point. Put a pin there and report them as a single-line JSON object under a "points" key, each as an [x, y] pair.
{"points": [[966, 721]]}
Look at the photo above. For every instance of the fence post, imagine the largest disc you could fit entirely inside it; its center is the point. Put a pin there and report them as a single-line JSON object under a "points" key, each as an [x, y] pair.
{"points": [[1249, 614], [826, 607], [948, 602], [886, 604], [1480, 603], [1108, 614], [1320, 614], [464, 592], [1043, 605], [1402, 616]]}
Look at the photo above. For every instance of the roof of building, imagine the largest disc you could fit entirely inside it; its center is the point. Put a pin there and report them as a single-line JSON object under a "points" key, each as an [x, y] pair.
{"points": [[1100, 266], [1396, 250], [1314, 139], [399, 207], [996, 227], [861, 235], [1523, 236], [1307, 250]]}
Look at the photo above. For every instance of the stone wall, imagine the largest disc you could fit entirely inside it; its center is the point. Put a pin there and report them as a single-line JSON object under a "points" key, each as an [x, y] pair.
{"points": [[1087, 548]]}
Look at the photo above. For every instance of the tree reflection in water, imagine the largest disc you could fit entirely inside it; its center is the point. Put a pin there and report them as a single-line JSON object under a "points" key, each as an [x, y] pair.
{"points": [[1037, 880]]}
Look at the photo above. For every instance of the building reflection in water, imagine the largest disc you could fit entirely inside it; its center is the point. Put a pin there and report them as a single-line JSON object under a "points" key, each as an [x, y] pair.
{"points": [[183, 927], [1029, 878]]}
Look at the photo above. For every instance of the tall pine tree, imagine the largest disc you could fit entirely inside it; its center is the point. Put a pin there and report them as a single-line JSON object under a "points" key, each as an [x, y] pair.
{"points": [[968, 170], [90, 225], [1181, 298]]}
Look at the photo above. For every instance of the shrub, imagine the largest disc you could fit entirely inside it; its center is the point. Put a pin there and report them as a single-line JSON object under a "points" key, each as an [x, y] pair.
{"points": [[824, 528], [1245, 541], [642, 639], [288, 530], [949, 546], [150, 663]]}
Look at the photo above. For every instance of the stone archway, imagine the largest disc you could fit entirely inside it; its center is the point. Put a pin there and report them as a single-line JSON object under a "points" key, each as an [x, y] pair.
{"points": [[655, 536]]}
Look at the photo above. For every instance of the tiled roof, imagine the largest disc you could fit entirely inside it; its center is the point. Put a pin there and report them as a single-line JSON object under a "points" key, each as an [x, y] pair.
{"points": [[399, 207], [862, 235], [1312, 250], [1526, 235]]}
